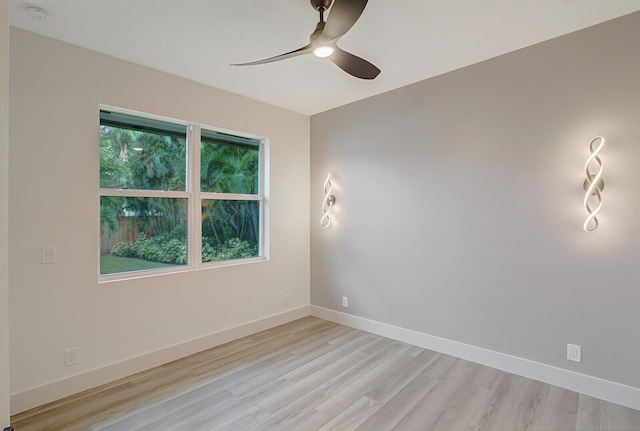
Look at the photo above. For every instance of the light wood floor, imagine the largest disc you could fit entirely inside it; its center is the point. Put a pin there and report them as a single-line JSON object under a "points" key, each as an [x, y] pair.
{"points": [[315, 375]]}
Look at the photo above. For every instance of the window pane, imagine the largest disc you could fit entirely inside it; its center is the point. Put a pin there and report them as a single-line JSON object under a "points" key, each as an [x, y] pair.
{"points": [[228, 164], [230, 229], [142, 233], [137, 153]]}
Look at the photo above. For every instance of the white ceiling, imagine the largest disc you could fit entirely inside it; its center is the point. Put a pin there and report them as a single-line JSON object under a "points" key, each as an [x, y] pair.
{"points": [[409, 40]]}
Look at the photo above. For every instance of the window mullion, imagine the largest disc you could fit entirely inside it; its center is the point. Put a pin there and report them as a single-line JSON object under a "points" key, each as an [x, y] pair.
{"points": [[193, 184], [230, 197], [144, 193], [263, 188]]}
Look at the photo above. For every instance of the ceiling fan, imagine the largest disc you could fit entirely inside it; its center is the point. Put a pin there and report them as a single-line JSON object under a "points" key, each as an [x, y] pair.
{"points": [[324, 40]]}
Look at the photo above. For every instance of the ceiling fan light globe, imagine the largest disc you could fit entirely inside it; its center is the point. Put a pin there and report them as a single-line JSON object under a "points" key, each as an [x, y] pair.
{"points": [[323, 51]]}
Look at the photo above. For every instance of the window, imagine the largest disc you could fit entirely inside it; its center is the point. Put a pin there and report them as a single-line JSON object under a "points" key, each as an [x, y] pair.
{"points": [[165, 206]]}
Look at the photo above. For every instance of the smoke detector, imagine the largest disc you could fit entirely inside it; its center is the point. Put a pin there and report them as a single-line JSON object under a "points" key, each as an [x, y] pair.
{"points": [[37, 13]]}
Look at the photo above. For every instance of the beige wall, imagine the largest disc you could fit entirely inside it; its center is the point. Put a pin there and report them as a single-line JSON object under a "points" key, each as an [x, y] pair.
{"points": [[4, 203], [459, 204], [55, 91]]}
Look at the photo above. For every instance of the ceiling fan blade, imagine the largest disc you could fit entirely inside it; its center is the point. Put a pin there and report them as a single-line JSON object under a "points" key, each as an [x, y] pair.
{"points": [[304, 50], [342, 16], [354, 65]]}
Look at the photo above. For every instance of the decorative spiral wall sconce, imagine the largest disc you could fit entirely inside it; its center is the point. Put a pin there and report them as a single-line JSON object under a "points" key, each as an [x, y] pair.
{"points": [[327, 203], [593, 184]]}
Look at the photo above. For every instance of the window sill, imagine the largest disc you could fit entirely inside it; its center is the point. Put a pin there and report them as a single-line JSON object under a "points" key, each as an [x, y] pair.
{"points": [[136, 275]]}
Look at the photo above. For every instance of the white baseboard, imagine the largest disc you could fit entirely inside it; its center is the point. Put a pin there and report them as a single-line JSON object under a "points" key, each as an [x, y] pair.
{"points": [[593, 386], [41, 395]]}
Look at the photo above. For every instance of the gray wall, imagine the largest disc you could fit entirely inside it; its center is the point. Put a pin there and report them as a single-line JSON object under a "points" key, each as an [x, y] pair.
{"points": [[4, 221], [459, 204]]}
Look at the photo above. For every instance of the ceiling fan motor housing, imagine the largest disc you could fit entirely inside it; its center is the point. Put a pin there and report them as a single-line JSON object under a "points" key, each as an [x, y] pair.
{"points": [[321, 4]]}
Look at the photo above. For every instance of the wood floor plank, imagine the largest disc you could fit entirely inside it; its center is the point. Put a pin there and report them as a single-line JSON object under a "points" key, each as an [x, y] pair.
{"points": [[333, 365], [472, 387], [178, 418], [320, 362], [353, 416], [133, 420], [284, 402], [426, 412], [594, 414], [187, 413], [501, 406], [277, 393], [243, 421], [385, 389], [558, 409], [309, 420], [589, 413], [392, 412], [336, 386], [373, 376], [311, 375]]}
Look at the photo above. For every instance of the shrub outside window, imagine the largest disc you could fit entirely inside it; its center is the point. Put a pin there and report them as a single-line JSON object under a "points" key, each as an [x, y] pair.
{"points": [[229, 192], [165, 207]]}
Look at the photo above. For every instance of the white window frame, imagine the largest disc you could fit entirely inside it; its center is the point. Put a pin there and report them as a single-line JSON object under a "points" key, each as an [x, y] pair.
{"points": [[194, 200]]}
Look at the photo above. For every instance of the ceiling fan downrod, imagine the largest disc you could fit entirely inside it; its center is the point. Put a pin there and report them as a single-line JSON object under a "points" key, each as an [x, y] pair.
{"points": [[321, 6]]}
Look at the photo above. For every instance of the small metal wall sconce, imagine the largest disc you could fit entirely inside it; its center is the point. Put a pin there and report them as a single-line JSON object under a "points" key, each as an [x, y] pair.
{"points": [[593, 184], [327, 203]]}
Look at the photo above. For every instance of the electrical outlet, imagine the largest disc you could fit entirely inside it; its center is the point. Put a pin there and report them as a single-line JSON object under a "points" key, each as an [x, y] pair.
{"points": [[71, 357], [574, 353], [287, 300], [345, 301]]}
